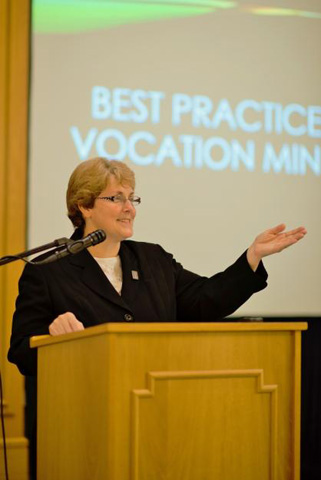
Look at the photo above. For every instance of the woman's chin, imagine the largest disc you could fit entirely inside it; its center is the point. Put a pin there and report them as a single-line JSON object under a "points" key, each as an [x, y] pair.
{"points": [[127, 233]]}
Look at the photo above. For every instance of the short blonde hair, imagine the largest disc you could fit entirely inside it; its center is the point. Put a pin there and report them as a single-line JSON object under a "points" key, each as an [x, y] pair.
{"points": [[89, 179]]}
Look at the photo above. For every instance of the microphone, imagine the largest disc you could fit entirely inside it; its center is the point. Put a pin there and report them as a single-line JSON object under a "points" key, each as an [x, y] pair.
{"points": [[77, 246]]}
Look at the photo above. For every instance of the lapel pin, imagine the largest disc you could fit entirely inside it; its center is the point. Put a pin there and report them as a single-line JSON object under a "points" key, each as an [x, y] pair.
{"points": [[135, 275]]}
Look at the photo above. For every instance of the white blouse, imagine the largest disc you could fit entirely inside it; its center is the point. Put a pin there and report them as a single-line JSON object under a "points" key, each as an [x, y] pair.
{"points": [[113, 271]]}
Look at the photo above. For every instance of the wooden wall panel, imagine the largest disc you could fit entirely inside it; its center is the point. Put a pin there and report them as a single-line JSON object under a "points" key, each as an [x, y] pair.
{"points": [[14, 94]]}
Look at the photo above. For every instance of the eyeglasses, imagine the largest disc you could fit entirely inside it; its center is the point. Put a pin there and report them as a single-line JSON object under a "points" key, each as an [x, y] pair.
{"points": [[120, 198]]}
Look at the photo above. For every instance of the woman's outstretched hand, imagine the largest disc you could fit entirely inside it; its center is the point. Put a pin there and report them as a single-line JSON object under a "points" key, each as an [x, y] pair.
{"points": [[272, 241]]}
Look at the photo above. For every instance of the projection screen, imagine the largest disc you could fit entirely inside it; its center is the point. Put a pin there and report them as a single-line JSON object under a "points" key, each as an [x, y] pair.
{"points": [[216, 106]]}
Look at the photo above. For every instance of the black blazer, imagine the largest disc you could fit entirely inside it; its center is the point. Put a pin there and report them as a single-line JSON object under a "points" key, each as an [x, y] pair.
{"points": [[163, 292]]}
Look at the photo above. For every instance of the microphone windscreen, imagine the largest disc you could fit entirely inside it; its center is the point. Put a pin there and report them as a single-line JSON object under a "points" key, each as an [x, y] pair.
{"points": [[98, 236]]}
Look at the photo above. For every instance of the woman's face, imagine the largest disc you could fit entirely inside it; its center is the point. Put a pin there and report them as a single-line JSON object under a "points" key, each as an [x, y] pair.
{"points": [[116, 219]]}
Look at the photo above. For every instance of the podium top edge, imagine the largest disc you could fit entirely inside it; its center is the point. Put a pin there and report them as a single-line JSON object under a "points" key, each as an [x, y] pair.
{"points": [[121, 328]]}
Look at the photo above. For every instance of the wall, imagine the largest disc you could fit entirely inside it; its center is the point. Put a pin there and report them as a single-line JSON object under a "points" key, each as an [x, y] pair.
{"points": [[14, 92]]}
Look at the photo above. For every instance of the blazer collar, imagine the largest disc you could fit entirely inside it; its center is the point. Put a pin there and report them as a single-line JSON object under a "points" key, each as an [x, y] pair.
{"points": [[132, 275], [95, 279]]}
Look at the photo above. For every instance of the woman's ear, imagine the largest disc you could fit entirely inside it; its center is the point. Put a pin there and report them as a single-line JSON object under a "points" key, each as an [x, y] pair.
{"points": [[86, 212]]}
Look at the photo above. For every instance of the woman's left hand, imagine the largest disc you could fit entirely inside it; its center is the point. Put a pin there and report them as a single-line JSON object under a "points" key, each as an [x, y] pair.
{"points": [[272, 241]]}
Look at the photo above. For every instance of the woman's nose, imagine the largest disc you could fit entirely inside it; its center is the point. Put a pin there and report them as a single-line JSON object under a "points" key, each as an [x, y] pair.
{"points": [[127, 205]]}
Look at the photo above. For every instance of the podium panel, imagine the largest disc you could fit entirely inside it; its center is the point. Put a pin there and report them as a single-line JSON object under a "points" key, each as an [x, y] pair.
{"points": [[178, 433], [170, 401]]}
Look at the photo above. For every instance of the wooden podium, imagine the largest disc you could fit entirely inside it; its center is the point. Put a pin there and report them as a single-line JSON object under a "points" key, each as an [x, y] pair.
{"points": [[170, 401]]}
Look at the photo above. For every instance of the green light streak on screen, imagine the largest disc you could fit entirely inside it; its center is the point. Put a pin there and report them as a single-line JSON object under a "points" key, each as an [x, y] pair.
{"points": [[73, 16], [285, 12]]}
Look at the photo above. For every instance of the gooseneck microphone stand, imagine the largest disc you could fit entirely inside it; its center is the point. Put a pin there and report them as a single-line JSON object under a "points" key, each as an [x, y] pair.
{"points": [[21, 256], [61, 248], [3, 261]]}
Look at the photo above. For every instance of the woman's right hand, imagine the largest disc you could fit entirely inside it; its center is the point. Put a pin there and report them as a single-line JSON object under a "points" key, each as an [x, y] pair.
{"points": [[65, 323]]}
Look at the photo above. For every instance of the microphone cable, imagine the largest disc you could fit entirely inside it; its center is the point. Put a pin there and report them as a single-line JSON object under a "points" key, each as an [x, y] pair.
{"points": [[3, 432]]}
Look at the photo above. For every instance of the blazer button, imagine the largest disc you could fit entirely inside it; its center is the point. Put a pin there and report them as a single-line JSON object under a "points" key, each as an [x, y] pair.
{"points": [[128, 317]]}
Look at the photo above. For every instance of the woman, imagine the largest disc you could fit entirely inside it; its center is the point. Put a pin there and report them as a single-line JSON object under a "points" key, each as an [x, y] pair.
{"points": [[120, 280]]}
